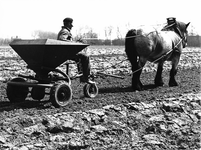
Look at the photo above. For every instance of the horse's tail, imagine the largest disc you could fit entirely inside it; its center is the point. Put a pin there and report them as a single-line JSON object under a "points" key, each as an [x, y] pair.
{"points": [[130, 48]]}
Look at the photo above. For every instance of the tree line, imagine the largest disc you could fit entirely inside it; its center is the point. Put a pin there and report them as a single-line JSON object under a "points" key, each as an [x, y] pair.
{"points": [[87, 35]]}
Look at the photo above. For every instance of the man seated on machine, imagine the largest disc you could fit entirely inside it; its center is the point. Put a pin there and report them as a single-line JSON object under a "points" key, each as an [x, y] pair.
{"points": [[65, 35]]}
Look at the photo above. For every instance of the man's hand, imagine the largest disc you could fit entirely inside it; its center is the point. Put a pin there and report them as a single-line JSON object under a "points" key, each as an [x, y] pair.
{"points": [[81, 40]]}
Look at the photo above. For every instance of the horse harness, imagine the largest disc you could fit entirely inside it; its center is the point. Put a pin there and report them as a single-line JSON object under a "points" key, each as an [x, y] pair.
{"points": [[174, 26]]}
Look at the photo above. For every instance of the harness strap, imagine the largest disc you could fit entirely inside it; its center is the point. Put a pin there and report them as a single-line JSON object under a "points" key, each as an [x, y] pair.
{"points": [[175, 47], [179, 33], [168, 26]]}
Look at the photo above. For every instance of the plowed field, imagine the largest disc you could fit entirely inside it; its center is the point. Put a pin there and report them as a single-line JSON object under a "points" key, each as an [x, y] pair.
{"points": [[118, 118]]}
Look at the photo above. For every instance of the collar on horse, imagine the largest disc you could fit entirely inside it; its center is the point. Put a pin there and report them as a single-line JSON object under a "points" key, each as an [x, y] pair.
{"points": [[178, 31], [174, 26]]}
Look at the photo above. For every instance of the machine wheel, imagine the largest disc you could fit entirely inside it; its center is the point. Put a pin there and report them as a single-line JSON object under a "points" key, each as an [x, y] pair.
{"points": [[90, 90], [37, 93], [17, 93], [60, 94]]}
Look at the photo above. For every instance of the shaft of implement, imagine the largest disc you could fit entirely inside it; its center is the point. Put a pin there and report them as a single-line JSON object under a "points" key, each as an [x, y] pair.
{"points": [[115, 76]]}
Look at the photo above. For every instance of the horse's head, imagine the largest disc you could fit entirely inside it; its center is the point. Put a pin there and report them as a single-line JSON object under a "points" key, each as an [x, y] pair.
{"points": [[181, 29]]}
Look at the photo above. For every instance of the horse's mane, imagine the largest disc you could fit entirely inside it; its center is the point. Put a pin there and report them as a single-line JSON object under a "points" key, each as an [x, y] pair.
{"points": [[178, 27], [181, 26]]}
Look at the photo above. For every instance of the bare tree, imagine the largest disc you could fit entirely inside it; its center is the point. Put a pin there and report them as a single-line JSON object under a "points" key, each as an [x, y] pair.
{"points": [[192, 31], [128, 26], [108, 32], [86, 33], [119, 35]]}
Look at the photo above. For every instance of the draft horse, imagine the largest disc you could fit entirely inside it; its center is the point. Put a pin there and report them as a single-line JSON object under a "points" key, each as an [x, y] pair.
{"points": [[156, 47]]}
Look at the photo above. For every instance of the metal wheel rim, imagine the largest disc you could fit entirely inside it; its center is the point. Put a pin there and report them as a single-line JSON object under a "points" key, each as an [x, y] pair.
{"points": [[63, 95], [91, 90]]}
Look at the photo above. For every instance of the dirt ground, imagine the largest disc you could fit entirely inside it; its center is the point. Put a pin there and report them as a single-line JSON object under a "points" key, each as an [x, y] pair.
{"points": [[116, 119]]}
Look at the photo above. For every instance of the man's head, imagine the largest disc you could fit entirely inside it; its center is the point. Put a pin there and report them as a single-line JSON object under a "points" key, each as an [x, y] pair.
{"points": [[68, 22]]}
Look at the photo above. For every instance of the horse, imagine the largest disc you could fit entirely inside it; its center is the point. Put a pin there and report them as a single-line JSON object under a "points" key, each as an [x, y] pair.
{"points": [[157, 46]]}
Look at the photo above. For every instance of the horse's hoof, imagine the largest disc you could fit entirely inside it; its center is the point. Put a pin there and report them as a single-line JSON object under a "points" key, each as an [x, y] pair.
{"points": [[159, 84], [137, 88]]}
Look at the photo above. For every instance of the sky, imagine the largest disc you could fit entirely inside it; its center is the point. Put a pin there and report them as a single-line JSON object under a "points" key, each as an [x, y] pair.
{"points": [[22, 17]]}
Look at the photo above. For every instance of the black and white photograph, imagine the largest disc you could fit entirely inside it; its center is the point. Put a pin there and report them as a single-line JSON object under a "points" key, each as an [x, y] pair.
{"points": [[100, 75]]}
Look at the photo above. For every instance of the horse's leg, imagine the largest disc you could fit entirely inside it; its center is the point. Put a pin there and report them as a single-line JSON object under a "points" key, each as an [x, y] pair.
{"points": [[158, 79], [135, 76], [173, 71], [137, 70]]}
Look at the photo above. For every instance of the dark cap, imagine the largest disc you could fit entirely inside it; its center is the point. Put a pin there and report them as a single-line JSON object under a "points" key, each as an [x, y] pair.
{"points": [[66, 20], [171, 20]]}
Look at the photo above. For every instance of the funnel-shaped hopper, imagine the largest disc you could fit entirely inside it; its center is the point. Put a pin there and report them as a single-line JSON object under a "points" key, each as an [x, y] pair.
{"points": [[46, 52]]}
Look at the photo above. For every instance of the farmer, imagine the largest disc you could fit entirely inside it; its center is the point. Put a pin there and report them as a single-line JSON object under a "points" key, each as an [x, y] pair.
{"points": [[65, 35]]}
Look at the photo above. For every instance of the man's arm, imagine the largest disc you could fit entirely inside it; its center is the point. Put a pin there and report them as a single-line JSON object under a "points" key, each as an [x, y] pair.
{"points": [[64, 35]]}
